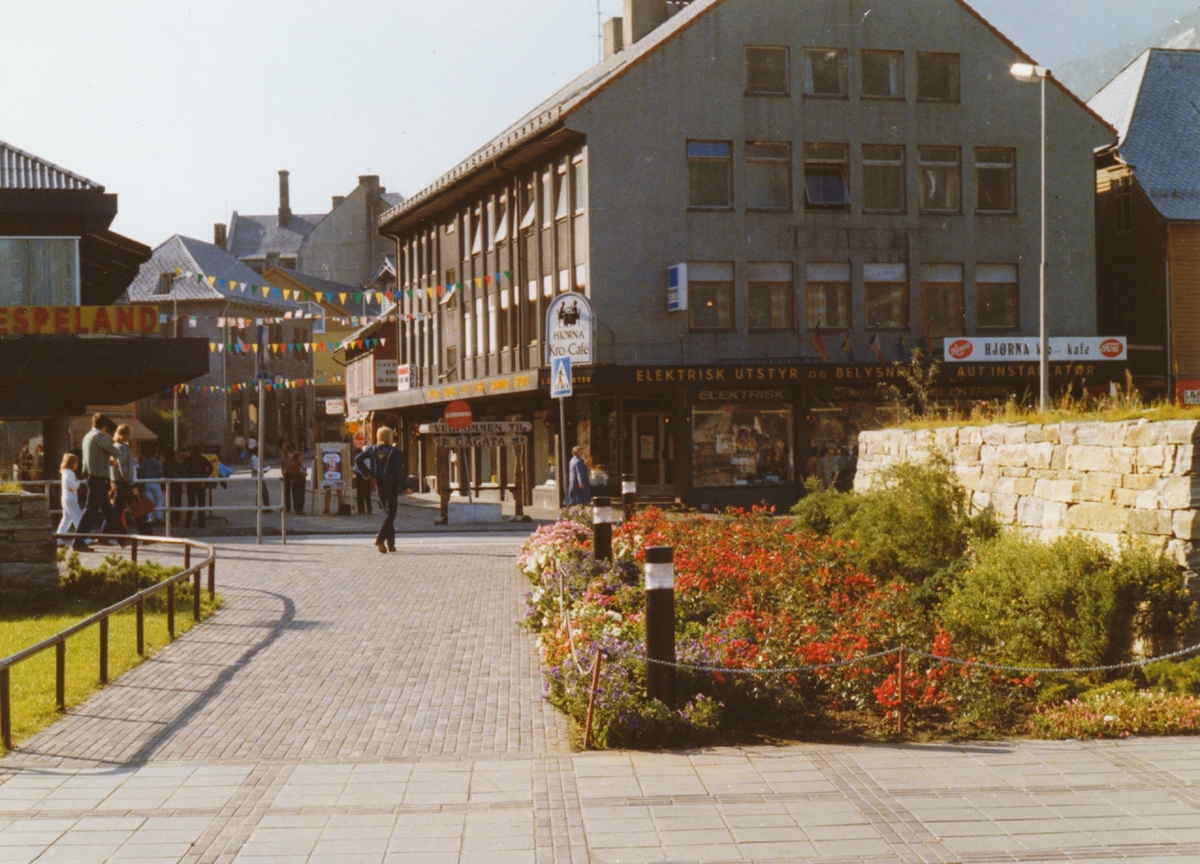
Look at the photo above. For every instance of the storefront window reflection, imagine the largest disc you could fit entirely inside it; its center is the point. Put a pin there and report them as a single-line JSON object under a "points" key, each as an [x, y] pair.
{"points": [[741, 444]]}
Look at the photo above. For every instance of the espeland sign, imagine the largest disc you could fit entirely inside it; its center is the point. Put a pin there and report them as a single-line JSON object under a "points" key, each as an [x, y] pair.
{"points": [[569, 329]]}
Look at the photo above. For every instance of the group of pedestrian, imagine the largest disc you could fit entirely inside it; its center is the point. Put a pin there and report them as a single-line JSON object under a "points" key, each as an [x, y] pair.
{"points": [[107, 467]]}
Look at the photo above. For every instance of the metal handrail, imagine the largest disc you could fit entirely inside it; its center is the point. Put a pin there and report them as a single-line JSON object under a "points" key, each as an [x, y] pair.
{"points": [[59, 640]]}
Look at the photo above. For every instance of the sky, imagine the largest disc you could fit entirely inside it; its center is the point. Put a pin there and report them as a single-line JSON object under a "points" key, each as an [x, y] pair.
{"points": [[187, 110]]}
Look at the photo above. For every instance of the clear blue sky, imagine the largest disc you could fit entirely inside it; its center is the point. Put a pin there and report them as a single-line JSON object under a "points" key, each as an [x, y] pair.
{"points": [[188, 109]]}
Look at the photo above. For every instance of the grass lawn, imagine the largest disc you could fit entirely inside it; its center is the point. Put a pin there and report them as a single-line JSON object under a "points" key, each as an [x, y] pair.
{"points": [[32, 681]]}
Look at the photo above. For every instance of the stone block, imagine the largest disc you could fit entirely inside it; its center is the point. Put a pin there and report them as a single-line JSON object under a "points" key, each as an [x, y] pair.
{"points": [[1058, 461], [1111, 434], [1176, 494], [1143, 433], [981, 500], [1030, 512], [1107, 459], [946, 438], [29, 552], [1150, 521], [1024, 485], [1185, 460], [1087, 434], [1185, 524], [996, 434], [1050, 433], [1151, 457], [1140, 482], [1110, 539], [1127, 498], [969, 476], [20, 578], [1095, 487], [1102, 518], [1035, 434], [1006, 485], [1183, 431], [987, 454], [987, 482], [1056, 490], [1180, 551], [1014, 455], [966, 454], [1015, 434], [1054, 514], [1005, 506], [1050, 535], [972, 435], [1039, 455], [1148, 499]]}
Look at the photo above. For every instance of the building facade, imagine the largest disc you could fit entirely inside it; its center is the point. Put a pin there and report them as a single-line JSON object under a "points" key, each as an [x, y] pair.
{"points": [[841, 186], [1148, 220]]}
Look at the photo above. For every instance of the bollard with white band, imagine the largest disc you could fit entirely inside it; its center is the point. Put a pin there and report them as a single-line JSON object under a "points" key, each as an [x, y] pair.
{"points": [[660, 624], [629, 494], [602, 518]]}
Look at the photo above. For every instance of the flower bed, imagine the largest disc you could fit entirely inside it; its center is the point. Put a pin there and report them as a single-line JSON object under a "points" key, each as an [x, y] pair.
{"points": [[801, 636]]}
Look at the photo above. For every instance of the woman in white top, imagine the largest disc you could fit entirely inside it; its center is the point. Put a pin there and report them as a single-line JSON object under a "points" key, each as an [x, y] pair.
{"points": [[72, 514]]}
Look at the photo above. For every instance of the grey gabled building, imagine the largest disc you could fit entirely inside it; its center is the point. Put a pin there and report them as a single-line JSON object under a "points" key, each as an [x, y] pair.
{"points": [[844, 181]]}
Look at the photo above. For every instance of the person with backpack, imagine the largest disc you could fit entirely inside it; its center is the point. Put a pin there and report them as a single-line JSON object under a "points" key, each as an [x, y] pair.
{"points": [[385, 463]]}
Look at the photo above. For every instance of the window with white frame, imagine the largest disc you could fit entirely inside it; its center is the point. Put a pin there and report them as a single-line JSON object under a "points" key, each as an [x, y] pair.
{"points": [[768, 175], [996, 297], [827, 295], [825, 72], [710, 295], [883, 178], [826, 177], [885, 295], [995, 180], [770, 295], [883, 74], [940, 170], [942, 299], [766, 71]]}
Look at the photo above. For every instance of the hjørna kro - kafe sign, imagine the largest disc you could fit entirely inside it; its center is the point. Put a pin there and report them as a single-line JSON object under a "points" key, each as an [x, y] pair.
{"points": [[569, 329], [966, 349]]}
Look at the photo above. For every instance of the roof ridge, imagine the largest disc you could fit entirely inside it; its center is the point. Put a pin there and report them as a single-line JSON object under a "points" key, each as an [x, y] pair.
{"points": [[9, 167]]}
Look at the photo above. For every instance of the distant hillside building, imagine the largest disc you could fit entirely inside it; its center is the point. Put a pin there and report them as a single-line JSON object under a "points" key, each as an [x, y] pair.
{"points": [[1148, 219], [342, 245]]}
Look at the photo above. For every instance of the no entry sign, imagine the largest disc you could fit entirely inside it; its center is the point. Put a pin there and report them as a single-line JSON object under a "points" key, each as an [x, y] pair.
{"points": [[457, 415]]}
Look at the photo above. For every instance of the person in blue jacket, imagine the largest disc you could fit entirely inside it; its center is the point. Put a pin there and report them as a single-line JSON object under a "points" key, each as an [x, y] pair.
{"points": [[579, 490]]}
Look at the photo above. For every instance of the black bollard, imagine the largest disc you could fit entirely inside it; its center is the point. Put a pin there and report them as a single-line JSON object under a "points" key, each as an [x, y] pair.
{"points": [[602, 528], [629, 494], [660, 624]]}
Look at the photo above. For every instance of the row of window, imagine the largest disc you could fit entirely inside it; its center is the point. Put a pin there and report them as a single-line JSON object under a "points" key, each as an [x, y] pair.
{"points": [[828, 301], [768, 171], [826, 74]]}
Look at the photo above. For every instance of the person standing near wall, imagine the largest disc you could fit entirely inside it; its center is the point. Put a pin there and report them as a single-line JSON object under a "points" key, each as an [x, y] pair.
{"points": [[98, 451]]}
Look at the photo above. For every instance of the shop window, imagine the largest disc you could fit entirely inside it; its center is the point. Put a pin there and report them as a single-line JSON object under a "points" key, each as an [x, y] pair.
{"points": [[883, 74], [828, 296], [826, 179], [770, 290], [710, 295], [941, 179], [1122, 197], [42, 271], [547, 202], [579, 184], [885, 295], [883, 178], [710, 174], [766, 71], [741, 444], [769, 176], [561, 197], [996, 306], [937, 77], [941, 299], [825, 72], [995, 180]]}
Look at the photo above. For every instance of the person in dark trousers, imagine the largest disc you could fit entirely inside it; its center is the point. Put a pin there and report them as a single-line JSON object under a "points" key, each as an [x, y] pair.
{"points": [[173, 470], [580, 489], [362, 486], [98, 451], [294, 480], [196, 466], [386, 464]]}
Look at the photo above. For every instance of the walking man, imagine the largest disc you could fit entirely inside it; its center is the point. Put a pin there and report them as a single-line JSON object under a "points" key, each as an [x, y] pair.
{"points": [[196, 466], [98, 451], [386, 464]]}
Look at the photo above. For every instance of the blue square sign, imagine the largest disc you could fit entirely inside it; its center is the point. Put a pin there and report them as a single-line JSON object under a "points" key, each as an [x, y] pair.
{"points": [[560, 378]]}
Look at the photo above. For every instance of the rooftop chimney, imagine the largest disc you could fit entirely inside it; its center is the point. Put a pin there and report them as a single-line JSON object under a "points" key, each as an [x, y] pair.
{"points": [[371, 182], [641, 16], [614, 37], [219, 237], [285, 212], [338, 199]]}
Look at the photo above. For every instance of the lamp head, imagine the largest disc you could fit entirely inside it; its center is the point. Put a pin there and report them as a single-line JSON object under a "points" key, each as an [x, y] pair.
{"points": [[1028, 72]]}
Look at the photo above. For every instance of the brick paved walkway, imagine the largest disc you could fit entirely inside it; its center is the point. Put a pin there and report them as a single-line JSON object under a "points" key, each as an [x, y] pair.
{"points": [[351, 707]]}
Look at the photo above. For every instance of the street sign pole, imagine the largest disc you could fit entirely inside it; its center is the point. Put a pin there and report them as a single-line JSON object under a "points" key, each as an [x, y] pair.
{"points": [[566, 457], [562, 387], [260, 361]]}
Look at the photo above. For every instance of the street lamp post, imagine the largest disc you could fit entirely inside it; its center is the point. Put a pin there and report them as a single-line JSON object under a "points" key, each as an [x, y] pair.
{"points": [[1030, 73]]}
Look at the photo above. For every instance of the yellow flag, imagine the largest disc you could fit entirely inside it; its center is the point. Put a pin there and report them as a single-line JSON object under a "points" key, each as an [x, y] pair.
{"points": [[342, 296]]}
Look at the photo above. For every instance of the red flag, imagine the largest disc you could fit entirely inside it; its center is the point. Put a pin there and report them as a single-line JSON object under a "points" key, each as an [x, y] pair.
{"points": [[819, 343], [876, 348]]}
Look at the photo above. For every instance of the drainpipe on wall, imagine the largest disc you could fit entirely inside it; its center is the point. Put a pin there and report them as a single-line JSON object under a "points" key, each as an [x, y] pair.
{"points": [[1170, 359]]}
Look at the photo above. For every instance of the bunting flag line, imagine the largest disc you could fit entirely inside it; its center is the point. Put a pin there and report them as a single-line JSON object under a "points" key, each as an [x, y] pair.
{"points": [[292, 347], [250, 386]]}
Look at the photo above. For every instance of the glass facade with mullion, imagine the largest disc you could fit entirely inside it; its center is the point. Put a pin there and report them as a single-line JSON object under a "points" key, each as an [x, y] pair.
{"points": [[39, 271]]}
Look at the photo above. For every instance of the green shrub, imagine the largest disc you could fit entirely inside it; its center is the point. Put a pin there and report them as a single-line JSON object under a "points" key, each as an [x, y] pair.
{"points": [[1119, 714], [916, 527], [1181, 678], [118, 578], [1066, 604]]}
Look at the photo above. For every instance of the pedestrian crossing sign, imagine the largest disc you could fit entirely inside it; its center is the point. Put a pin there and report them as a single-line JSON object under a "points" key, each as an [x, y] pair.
{"points": [[560, 378]]}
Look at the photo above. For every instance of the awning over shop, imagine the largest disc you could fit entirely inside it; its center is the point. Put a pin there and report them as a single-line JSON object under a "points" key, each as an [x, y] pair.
{"points": [[82, 424]]}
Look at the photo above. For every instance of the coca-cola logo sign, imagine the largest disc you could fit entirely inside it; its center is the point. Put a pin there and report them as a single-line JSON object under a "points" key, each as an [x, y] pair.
{"points": [[960, 349], [1112, 348]]}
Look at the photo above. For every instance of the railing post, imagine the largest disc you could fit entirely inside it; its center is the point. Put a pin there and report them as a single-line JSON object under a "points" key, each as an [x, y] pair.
{"points": [[133, 550], [167, 508], [212, 579], [187, 556], [196, 596], [5, 710], [629, 494], [104, 650], [141, 627], [60, 675], [171, 610], [587, 727], [660, 624], [602, 528]]}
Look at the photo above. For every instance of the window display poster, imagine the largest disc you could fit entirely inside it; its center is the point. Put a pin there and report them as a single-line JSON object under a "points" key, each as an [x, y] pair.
{"points": [[742, 444], [646, 448], [334, 464]]}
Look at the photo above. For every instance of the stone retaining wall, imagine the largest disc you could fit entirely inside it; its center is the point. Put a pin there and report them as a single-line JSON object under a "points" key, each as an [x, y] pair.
{"points": [[26, 543], [1105, 480]]}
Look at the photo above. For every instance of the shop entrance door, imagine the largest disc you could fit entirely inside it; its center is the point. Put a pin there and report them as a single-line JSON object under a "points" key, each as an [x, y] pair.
{"points": [[654, 454]]}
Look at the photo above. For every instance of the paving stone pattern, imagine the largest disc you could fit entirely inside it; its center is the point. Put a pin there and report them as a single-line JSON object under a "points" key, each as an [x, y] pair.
{"points": [[352, 707]]}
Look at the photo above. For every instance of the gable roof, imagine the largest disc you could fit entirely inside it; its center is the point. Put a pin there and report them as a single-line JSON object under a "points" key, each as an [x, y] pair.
{"points": [[195, 257], [256, 236], [1153, 104], [331, 290], [594, 80], [21, 170]]}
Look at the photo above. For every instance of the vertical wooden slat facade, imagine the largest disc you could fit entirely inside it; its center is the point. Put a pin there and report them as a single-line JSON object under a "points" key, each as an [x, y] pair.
{"points": [[1183, 257]]}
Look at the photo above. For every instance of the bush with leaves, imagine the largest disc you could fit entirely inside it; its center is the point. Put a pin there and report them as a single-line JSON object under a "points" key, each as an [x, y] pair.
{"points": [[118, 578]]}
